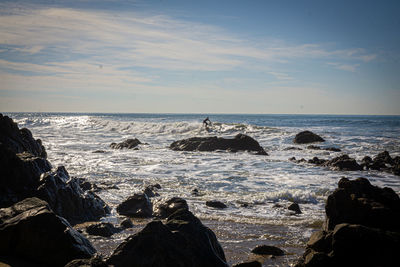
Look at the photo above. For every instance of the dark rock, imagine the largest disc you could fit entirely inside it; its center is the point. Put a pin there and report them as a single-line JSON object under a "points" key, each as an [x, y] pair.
{"points": [[240, 142], [317, 161], [343, 163], [312, 147], [362, 228], [267, 250], [99, 151], [292, 148], [294, 207], [29, 230], [137, 205], [150, 190], [129, 144], [102, 229], [216, 204], [19, 175], [96, 261], [384, 157], [67, 199], [359, 202], [165, 209], [28, 174], [248, 264], [127, 223], [86, 185], [307, 137], [333, 149], [19, 140], [182, 241]]}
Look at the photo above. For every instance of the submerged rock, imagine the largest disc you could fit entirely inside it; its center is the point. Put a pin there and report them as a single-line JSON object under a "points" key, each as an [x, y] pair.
{"points": [[129, 144], [137, 205], [182, 241], [29, 230], [362, 228], [307, 137], [240, 142]]}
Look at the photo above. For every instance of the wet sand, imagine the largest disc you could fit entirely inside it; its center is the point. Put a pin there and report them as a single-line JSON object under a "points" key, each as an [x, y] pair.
{"points": [[237, 240]]}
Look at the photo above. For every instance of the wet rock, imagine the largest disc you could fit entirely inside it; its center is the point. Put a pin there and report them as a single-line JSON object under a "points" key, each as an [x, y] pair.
{"points": [[216, 204], [294, 207], [248, 264], [67, 199], [20, 174], [126, 223], [292, 148], [129, 144], [19, 140], [359, 202], [333, 149], [267, 250], [151, 190], [29, 230], [99, 152], [343, 163], [307, 137], [362, 228], [96, 261], [137, 205], [164, 209], [102, 229], [182, 241], [317, 161], [240, 142]]}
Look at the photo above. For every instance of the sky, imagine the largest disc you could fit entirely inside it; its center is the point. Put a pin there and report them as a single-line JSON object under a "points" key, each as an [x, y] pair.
{"points": [[261, 57]]}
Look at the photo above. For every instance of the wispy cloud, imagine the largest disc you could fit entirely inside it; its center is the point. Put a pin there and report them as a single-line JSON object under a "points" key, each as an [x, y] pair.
{"points": [[129, 40], [345, 67]]}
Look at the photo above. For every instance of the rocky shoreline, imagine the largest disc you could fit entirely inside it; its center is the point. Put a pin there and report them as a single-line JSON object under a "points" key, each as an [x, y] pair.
{"points": [[40, 206]]}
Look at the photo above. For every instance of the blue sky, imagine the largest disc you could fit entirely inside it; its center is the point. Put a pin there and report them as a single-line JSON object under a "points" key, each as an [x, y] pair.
{"points": [[312, 57]]}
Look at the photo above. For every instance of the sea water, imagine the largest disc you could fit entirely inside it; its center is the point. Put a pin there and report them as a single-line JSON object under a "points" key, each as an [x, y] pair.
{"points": [[257, 189]]}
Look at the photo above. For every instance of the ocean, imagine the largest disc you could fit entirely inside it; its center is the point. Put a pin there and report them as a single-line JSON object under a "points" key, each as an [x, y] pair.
{"points": [[257, 189]]}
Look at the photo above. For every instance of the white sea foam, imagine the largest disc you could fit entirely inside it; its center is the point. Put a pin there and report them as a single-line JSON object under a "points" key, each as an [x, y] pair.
{"points": [[257, 189]]}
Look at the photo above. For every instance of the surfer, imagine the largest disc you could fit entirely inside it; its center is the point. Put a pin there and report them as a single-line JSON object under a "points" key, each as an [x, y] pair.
{"points": [[206, 122]]}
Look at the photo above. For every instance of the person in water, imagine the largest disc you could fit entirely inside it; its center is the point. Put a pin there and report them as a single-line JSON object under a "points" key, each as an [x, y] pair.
{"points": [[207, 122]]}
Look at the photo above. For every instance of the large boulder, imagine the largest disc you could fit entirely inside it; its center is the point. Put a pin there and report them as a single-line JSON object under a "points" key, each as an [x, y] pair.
{"points": [[19, 175], [19, 140], [68, 200], [129, 144], [182, 241], [29, 230], [240, 142], [137, 205], [27, 173], [359, 202], [307, 137], [362, 228]]}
